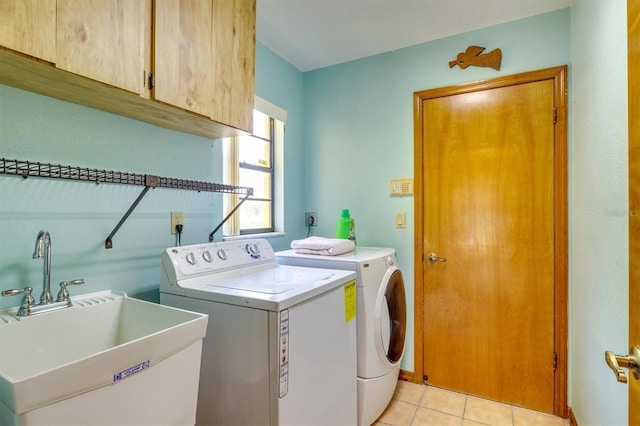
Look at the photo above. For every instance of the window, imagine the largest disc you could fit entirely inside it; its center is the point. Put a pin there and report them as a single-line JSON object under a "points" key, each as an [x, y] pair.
{"points": [[249, 161], [255, 156]]}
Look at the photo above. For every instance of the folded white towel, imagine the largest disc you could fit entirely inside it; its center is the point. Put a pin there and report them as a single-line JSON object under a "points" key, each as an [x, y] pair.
{"points": [[323, 246]]}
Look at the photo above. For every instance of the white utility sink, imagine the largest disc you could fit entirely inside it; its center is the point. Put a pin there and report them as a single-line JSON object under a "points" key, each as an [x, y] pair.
{"points": [[108, 359]]}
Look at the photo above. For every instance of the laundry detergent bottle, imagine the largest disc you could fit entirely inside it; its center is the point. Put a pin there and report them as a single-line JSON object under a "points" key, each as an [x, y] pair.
{"points": [[346, 227], [343, 225]]}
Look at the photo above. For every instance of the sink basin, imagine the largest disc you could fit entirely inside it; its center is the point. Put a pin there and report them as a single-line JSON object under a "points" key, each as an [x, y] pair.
{"points": [[106, 355]]}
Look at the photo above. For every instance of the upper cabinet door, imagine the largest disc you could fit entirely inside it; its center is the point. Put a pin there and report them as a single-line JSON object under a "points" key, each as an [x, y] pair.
{"points": [[29, 27], [234, 33], [105, 40], [183, 54]]}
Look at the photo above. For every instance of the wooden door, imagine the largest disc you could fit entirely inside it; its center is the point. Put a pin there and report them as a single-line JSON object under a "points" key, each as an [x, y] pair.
{"points": [[633, 11], [234, 41], [490, 188], [29, 27], [104, 40], [183, 54]]}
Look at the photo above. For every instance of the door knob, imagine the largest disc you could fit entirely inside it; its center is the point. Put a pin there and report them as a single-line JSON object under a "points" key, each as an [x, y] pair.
{"points": [[618, 362], [433, 258]]}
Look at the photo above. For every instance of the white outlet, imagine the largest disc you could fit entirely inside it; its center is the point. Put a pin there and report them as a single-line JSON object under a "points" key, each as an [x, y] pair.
{"points": [[177, 218]]}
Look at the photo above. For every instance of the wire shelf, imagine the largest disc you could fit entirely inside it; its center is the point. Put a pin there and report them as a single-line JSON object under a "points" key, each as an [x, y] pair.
{"points": [[58, 171], [28, 169]]}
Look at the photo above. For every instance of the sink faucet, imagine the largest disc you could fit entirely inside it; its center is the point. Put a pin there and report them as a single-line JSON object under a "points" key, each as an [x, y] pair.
{"points": [[47, 303], [43, 248]]}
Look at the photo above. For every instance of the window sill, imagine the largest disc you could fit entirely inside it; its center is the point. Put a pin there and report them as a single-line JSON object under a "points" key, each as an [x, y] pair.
{"points": [[251, 236]]}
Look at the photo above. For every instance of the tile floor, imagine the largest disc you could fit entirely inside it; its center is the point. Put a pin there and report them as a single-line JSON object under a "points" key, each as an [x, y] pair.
{"points": [[419, 405]]}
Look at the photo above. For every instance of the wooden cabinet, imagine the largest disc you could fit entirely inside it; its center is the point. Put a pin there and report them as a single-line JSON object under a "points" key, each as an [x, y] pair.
{"points": [[29, 27], [104, 40], [205, 58], [183, 54], [201, 54], [234, 61]]}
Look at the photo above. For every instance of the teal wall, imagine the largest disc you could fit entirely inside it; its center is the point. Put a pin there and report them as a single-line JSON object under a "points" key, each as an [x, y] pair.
{"points": [[359, 126], [599, 206], [281, 83]]}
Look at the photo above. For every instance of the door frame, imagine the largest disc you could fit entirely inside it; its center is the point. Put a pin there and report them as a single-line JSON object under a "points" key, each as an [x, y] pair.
{"points": [[559, 76], [633, 41]]}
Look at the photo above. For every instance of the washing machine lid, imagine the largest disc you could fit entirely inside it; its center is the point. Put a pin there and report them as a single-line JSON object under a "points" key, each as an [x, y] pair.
{"points": [[274, 280], [271, 287]]}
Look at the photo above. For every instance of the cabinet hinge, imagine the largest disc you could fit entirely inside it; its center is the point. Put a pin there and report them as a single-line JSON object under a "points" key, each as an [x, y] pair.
{"points": [[555, 361], [151, 81], [555, 115]]}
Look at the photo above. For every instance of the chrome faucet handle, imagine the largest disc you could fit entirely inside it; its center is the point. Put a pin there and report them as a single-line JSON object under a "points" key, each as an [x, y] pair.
{"points": [[63, 294], [27, 301]]}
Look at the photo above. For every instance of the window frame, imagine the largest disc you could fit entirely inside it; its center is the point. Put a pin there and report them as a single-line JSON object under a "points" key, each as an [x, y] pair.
{"points": [[230, 230], [271, 171]]}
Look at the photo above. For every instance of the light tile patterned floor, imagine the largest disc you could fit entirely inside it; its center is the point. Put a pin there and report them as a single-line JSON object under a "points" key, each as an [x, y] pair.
{"points": [[419, 405]]}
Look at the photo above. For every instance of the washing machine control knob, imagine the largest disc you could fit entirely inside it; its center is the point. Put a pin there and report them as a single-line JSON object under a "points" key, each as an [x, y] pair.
{"points": [[191, 258], [391, 261], [206, 255], [253, 250], [222, 254]]}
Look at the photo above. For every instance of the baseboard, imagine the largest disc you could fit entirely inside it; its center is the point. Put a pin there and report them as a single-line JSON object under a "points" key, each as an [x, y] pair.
{"points": [[572, 418], [409, 376]]}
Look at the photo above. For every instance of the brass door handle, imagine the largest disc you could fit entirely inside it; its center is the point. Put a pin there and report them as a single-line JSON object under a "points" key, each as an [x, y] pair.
{"points": [[433, 258], [618, 362]]}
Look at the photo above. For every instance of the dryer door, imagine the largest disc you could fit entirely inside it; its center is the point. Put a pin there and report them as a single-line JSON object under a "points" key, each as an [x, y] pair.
{"points": [[391, 312]]}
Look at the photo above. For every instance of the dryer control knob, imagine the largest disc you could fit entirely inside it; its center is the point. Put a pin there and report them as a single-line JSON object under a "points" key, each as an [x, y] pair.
{"points": [[206, 255], [191, 258], [222, 254], [391, 261]]}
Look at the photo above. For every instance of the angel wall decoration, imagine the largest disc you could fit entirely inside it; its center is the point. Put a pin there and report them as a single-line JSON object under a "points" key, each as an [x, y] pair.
{"points": [[473, 56]]}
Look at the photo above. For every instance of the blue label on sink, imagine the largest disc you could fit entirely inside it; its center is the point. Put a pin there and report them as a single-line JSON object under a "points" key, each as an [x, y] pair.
{"points": [[130, 371]]}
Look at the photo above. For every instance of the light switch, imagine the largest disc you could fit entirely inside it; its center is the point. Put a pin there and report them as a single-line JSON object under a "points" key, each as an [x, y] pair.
{"points": [[399, 219], [401, 187]]}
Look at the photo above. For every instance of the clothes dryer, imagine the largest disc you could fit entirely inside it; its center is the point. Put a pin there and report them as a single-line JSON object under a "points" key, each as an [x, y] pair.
{"points": [[380, 320]]}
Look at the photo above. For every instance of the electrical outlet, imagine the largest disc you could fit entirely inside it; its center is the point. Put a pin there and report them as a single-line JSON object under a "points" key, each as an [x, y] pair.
{"points": [[176, 219], [311, 219]]}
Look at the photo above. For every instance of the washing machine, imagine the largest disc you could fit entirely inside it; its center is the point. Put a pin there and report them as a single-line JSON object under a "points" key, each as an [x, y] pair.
{"points": [[381, 320], [280, 347]]}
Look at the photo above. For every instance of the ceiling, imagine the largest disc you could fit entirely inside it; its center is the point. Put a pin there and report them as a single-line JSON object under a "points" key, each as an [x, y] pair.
{"points": [[312, 34]]}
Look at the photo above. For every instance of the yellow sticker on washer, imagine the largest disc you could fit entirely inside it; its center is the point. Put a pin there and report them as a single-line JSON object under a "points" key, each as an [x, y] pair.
{"points": [[350, 300]]}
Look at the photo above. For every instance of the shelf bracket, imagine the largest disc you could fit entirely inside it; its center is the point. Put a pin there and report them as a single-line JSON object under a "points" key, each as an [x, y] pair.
{"points": [[226, 218], [150, 182]]}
